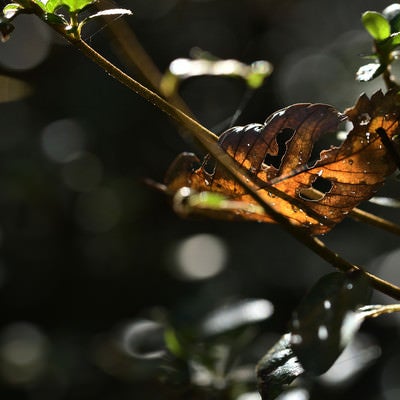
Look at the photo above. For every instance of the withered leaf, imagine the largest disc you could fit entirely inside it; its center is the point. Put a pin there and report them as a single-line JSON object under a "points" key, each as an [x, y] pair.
{"points": [[277, 155]]}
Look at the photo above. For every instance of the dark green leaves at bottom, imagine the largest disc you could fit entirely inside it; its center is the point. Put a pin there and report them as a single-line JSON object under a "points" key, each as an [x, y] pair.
{"points": [[326, 319], [278, 368]]}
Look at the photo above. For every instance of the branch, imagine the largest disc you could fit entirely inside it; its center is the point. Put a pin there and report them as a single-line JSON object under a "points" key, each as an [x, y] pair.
{"points": [[368, 218], [208, 140]]}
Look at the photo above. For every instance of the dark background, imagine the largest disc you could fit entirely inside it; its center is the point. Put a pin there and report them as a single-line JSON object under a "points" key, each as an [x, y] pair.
{"points": [[86, 248]]}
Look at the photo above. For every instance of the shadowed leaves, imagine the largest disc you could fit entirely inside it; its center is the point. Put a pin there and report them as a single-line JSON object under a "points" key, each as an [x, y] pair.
{"points": [[277, 156]]}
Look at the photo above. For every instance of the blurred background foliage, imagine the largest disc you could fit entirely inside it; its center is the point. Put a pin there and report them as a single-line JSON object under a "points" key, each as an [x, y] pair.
{"points": [[94, 265]]}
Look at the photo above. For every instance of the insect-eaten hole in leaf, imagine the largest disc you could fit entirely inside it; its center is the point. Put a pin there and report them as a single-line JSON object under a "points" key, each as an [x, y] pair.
{"points": [[317, 191], [209, 164], [282, 138]]}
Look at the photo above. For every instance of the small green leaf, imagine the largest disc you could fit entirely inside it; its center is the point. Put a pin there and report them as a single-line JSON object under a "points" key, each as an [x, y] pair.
{"points": [[172, 342], [325, 321], [11, 10], [395, 39], [392, 14], [278, 368], [369, 71], [51, 6], [376, 24]]}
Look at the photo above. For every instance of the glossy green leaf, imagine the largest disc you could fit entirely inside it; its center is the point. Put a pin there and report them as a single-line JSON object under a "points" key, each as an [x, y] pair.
{"points": [[369, 71], [11, 10], [392, 14], [172, 342], [278, 368], [326, 319], [51, 6], [395, 39], [376, 25]]}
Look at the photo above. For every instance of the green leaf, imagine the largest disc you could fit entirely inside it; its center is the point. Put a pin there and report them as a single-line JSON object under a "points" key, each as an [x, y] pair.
{"points": [[172, 342], [369, 71], [395, 39], [278, 368], [376, 25], [51, 6], [325, 321], [392, 14], [11, 10]]}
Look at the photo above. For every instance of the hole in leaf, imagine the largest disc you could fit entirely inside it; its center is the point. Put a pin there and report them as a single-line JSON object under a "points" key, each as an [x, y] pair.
{"points": [[322, 185], [317, 191], [209, 164], [281, 139]]}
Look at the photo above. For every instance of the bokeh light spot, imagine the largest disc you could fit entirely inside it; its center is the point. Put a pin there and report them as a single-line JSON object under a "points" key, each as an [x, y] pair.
{"points": [[61, 139], [28, 45], [23, 353], [201, 256]]}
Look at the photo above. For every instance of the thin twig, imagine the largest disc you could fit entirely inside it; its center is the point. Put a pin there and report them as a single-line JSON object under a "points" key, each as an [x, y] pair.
{"points": [[368, 218]]}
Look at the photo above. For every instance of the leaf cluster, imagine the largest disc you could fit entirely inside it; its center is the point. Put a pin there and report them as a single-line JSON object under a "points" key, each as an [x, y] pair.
{"points": [[62, 14], [384, 28]]}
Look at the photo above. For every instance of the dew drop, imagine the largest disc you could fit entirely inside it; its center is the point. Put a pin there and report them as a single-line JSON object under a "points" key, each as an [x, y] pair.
{"points": [[351, 161], [327, 304], [368, 136]]}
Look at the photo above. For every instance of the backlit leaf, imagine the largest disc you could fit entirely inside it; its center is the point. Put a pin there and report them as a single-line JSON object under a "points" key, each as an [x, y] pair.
{"points": [[392, 14], [376, 25], [277, 156], [51, 6]]}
